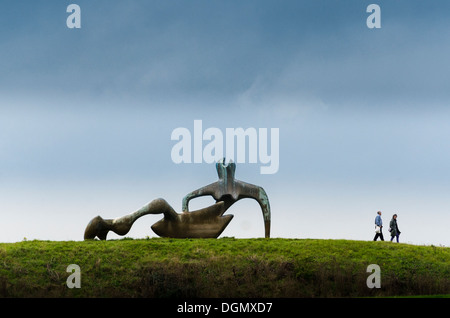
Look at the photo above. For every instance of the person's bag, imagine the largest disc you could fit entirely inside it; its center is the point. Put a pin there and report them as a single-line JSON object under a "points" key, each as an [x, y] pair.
{"points": [[377, 229]]}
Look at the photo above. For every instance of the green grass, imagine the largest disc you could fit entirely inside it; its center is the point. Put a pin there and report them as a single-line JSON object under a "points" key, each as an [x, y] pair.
{"points": [[225, 267]]}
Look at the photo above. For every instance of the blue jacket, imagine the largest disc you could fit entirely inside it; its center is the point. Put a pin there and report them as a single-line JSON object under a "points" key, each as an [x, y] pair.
{"points": [[378, 220]]}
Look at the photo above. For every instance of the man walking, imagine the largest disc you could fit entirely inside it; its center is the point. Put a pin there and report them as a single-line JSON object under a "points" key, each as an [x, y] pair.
{"points": [[379, 223]]}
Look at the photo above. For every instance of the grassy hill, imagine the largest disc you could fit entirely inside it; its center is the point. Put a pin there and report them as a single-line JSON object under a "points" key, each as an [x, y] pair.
{"points": [[225, 267]]}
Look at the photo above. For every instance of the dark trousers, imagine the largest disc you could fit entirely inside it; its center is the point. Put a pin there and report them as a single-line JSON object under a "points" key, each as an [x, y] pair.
{"points": [[379, 235], [392, 237]]}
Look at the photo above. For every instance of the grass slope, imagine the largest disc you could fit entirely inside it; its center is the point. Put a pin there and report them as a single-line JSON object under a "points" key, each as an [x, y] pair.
{"points": [[225, 267]]}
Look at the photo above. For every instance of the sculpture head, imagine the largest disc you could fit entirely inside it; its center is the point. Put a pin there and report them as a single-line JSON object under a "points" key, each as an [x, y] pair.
{"points": [[225, 170]]}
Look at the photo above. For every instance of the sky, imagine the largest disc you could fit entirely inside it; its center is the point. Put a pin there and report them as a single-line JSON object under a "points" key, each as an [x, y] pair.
{"points": [[86, 115]]}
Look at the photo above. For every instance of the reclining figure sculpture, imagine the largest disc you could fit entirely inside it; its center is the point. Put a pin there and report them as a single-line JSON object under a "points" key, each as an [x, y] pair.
{"points": [[208, 222]]}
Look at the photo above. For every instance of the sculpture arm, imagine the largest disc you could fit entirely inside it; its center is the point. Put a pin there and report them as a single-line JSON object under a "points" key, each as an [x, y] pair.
{"points": [[247, 190], [206, 190]]}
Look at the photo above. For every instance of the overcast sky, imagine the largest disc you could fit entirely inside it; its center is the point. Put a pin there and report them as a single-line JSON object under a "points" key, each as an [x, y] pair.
{"points": [[86, 115]]}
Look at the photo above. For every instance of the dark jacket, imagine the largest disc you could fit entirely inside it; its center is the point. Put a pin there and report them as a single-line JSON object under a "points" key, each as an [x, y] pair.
{"points": [[394, 228]]}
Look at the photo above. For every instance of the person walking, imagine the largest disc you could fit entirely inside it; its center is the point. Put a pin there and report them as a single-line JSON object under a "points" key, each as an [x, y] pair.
{"points": [[378, 227], [393, 227]]}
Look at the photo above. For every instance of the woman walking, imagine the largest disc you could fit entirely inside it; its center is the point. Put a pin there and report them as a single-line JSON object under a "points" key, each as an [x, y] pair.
{"points": [[395, 232]]}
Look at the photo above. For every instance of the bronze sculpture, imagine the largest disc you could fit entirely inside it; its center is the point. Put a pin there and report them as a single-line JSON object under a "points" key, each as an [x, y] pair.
{"points": [[230, 190], [208, 222]]}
